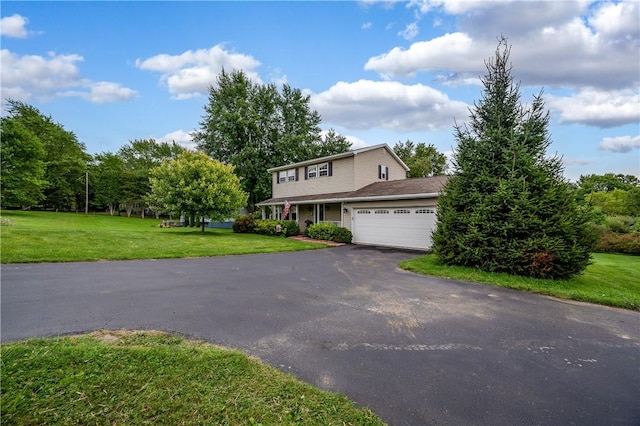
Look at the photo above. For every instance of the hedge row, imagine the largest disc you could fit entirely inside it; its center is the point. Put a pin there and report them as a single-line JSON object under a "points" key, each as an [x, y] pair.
{"points": [[613, 242], [248, 224], [319, 231]]}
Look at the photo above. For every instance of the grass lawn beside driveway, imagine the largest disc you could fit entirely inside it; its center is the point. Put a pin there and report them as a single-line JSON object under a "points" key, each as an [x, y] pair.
{"points": [[612, 279], [125, 377], [71, 237]]}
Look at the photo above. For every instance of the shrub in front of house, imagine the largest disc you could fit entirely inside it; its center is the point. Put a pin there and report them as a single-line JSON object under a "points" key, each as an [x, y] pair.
{"points": [[273, 227], [342, 235], [329, 232], [244, 224]]}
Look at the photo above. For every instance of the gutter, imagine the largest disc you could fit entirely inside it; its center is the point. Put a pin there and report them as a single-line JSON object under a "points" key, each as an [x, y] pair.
{"points": [[358, 199]]}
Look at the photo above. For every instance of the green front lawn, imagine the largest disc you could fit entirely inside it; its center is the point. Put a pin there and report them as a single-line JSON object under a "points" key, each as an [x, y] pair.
{"points": [[612, 279], [109, 378], [65, 237]]}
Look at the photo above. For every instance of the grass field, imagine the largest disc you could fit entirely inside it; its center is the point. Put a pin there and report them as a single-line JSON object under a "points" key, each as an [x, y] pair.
{"points": [[109, 378], [612, 279], [68, 237]]}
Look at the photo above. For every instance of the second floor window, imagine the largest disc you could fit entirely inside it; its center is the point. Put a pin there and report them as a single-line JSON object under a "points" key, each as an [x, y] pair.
{"points": [[287, 176], [319, 170]]}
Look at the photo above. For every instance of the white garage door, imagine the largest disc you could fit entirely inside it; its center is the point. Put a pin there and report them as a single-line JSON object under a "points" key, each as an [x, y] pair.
{"points": [[407, 227]]}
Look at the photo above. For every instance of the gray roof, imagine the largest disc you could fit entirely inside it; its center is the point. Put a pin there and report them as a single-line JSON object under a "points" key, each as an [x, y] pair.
{"points": [[402, 189]]}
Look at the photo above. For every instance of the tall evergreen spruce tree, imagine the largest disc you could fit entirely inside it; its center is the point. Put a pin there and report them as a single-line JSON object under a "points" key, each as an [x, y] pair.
{"points": [[507, 207]]}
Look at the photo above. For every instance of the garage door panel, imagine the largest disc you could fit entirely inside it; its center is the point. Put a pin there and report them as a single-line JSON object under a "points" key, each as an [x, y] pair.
{"points": [[396, 227]]}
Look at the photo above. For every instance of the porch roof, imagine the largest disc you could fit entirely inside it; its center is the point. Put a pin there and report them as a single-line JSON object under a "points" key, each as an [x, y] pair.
{"points": [[402, 189]]}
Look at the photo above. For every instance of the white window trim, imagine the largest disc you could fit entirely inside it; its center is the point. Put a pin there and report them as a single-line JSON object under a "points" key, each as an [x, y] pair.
{"points": [[312, 172], [287, 176], [384, 170], [323, 169]]}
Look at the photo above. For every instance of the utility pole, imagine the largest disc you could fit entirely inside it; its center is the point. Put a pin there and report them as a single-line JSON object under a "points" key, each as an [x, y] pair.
{"points": [[86, 193]]}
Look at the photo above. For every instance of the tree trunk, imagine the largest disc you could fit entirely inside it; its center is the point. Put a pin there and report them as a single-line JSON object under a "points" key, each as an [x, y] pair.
{"points": [[202, 222]]}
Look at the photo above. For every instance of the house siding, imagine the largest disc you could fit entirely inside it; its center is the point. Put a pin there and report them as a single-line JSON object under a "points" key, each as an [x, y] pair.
{"points": [[341, 180], [366, 167]]}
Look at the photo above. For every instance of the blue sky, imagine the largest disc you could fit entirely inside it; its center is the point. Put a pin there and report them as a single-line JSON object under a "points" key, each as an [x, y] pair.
{"points": [[376, 71]]}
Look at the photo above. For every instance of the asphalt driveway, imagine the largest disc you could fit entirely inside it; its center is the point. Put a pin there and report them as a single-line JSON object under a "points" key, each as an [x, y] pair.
{"points": [[416, 350]]}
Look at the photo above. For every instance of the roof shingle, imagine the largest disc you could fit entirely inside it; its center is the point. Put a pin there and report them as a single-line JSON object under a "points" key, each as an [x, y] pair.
{"points": [[398, 189]]}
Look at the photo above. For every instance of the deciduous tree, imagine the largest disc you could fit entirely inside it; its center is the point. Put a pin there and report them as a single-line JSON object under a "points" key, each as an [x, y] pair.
{"points": [[106, 180], [65, 158], [193, 183], [22, 165], [255, 127], [423, 160], [507, 207], [139, 157]]}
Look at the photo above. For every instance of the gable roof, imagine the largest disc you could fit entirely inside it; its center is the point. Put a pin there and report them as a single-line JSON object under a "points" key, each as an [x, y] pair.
{"points": [[347, 154], [403, 189]]}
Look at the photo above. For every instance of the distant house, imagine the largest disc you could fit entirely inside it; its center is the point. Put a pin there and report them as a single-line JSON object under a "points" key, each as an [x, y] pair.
{"points": [[365, 190]]}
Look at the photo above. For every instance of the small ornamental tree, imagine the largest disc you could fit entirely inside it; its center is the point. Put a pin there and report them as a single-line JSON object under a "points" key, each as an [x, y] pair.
{"points": [[507, 207], [195, 184]]}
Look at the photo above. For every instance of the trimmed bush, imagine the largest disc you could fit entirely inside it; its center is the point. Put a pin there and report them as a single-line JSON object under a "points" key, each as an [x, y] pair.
{"points": [[342, 235], [244, 224], [272, 227], [321, 231], [329, 232], [290, 227]]}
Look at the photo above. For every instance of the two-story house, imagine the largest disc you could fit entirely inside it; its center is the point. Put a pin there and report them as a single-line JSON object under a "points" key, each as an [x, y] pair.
{"points": [[365, 190]]}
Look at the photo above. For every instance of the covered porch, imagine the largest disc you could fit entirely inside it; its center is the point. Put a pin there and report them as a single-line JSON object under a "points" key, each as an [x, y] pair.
{"points": [[305, 213]]}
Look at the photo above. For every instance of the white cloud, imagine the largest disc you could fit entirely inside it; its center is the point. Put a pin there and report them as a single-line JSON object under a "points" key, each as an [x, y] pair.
{"points": [[554, 44], [365, 26], [617, 19], [453, 7], [14, 26], [356, 142], [190, 73], [180, 137], [620, 144], [367, 104], [103, 92], [410, 31], [598, 108], [32, 76], [576, 161], [456, 52]]}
